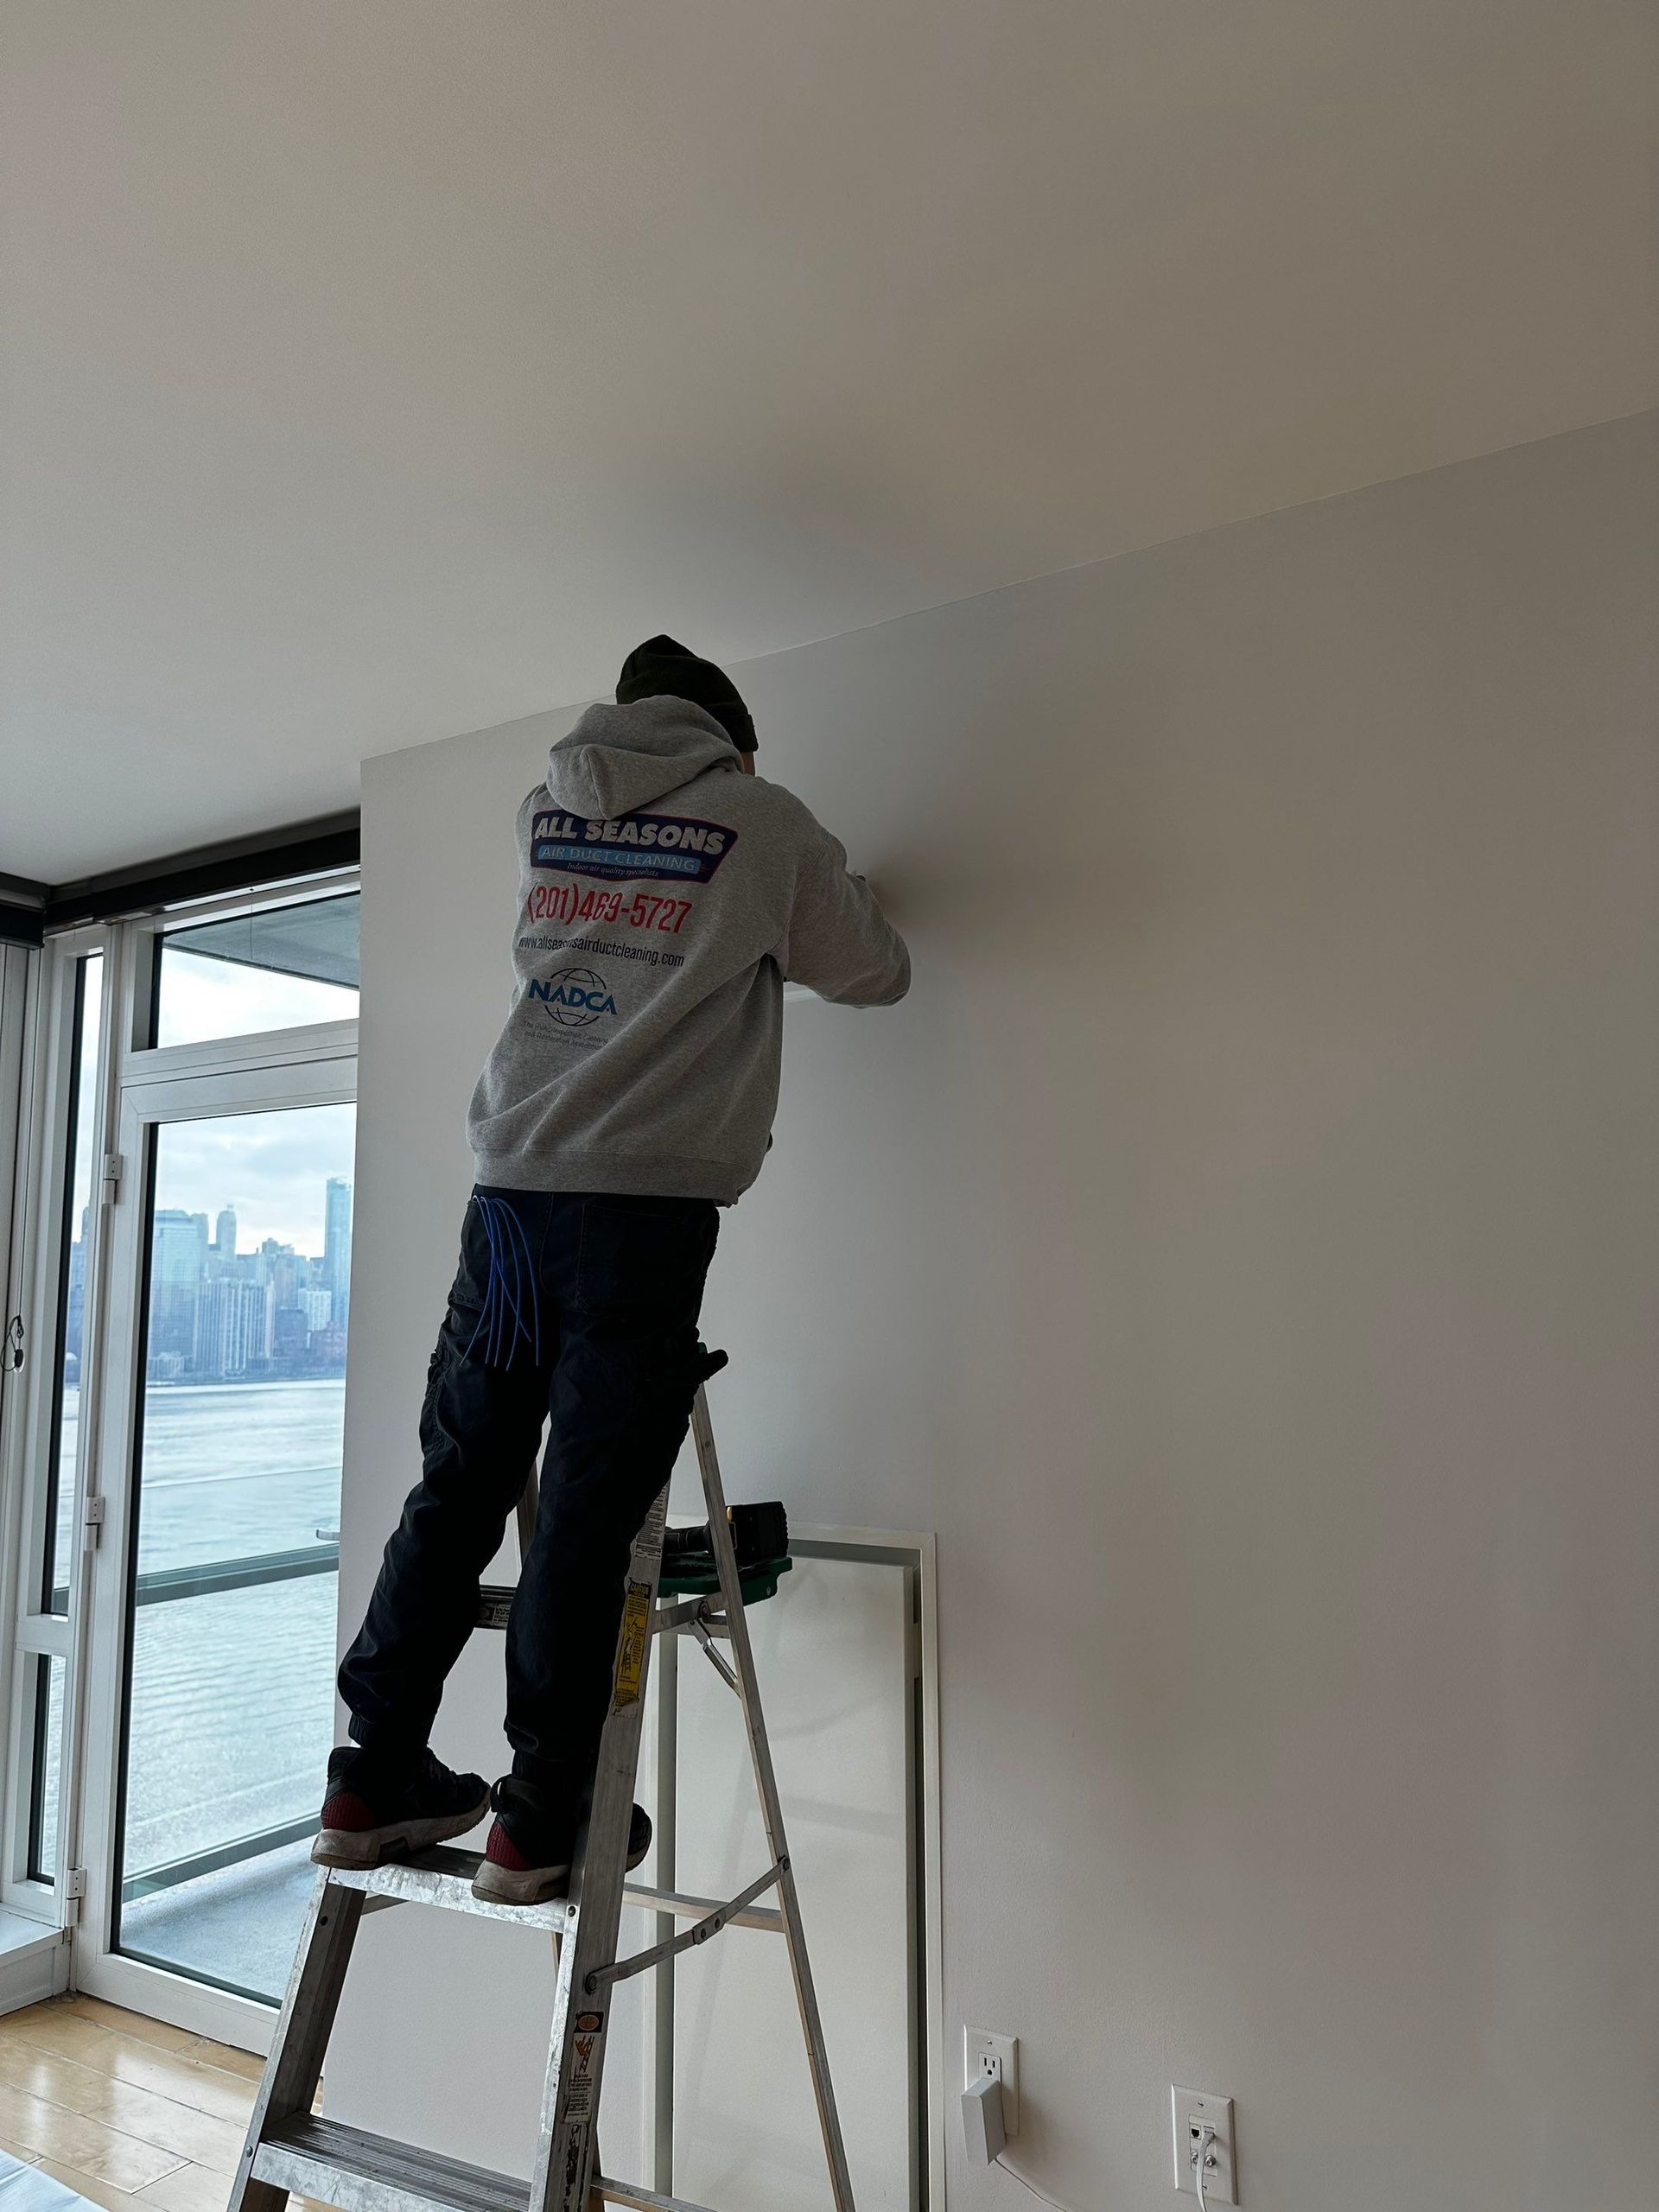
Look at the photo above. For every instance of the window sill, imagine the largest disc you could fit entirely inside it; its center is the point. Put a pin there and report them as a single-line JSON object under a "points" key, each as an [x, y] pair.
{"points": [[33, 1961]]}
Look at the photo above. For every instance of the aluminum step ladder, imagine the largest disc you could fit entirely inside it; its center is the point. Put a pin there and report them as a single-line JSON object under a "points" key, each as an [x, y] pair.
{"points": [[290, 2149]]}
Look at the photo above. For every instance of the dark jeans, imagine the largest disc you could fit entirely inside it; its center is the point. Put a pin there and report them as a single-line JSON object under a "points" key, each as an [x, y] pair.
{"points": [[578, 1313]]}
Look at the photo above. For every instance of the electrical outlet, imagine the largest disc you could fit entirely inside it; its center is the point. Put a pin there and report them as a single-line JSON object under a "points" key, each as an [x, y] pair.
{"points": [[1191, 2112], [984, 2053]]}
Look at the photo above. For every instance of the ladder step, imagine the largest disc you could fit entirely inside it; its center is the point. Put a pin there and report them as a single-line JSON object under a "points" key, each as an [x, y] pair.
{"points": [[443, 1876], [360, 2172], [645, 2200]]}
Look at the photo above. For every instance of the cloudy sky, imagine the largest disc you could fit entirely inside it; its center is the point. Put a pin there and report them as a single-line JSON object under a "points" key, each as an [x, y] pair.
{"points": [[228, 998], [270, 1167]]}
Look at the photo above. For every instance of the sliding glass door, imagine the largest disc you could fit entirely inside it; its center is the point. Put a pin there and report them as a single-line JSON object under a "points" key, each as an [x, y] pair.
{"points": [[56, 1055], [229, 1622], [215, 1465]]}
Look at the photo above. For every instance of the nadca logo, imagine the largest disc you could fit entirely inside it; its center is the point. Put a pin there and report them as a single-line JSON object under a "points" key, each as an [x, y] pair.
{"points": [[574, 997]]}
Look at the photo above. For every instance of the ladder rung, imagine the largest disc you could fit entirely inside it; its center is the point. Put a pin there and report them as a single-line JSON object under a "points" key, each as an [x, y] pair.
{"points": [[443, 1876], [361, 2172], [495, 1603], [680, 1616], [685, 1907], [719, 1918], [646, 2200]]}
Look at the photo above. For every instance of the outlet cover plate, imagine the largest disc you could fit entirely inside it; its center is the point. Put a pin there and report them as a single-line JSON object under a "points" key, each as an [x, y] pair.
{"points": [[979, 2045], [1189, 2111]]}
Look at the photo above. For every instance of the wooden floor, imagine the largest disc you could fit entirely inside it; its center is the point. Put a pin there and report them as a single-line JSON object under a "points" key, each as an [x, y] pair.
{"points": [[124, 2110]]}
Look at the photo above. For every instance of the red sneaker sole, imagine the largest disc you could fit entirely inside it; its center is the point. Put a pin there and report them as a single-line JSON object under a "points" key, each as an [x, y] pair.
{"points": [[360, 1847]]}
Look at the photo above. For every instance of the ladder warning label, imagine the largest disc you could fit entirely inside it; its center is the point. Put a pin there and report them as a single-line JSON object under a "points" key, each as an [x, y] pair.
{"points": [[631, 1646], [579, 2100]]}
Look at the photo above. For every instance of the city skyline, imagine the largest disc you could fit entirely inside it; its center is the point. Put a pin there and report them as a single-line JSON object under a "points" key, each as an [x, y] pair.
{"points": [[220, 1314], [270, 1168]]}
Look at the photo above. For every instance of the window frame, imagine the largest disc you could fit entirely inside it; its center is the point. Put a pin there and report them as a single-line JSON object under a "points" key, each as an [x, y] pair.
{"points": [[139, 1087], [20, 969], [253, 1048], [318, 1073], [33, 1632]]}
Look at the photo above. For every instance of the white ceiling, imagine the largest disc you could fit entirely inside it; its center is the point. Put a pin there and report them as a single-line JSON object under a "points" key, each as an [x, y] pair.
{"points": [[380, 369]]}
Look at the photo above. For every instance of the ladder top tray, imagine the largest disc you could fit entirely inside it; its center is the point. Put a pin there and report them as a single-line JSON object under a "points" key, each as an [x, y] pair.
{"points": [[689, 1578], [757, 1583]]}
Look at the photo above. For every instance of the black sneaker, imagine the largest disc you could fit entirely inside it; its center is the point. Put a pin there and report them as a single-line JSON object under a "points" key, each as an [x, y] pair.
{"points": [[532, 1845], [373, 1811]]}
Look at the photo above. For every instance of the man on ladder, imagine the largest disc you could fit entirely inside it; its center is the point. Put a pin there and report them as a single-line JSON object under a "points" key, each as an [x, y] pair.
{"points": [[665, 895]]}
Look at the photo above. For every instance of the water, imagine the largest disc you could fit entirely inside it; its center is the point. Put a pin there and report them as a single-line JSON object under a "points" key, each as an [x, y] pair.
{"points": [[231, 1712], [233, 1469], [230, 1469]]}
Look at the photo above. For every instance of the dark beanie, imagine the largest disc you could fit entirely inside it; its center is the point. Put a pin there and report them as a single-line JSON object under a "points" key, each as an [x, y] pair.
{"points": [[661, 668]]}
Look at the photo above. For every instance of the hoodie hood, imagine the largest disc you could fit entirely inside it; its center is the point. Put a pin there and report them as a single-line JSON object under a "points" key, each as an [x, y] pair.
{"points": [[620, 759]]}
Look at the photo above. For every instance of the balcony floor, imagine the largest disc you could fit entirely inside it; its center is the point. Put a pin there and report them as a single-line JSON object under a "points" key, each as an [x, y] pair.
{"points": [[239, 1925]]}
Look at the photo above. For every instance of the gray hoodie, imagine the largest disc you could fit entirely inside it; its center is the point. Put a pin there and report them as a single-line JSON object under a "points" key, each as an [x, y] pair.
{"points": [[663, 899]]}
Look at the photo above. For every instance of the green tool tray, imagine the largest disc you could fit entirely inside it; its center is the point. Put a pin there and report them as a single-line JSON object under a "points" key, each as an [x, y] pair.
{"points": [[690, 1578]]}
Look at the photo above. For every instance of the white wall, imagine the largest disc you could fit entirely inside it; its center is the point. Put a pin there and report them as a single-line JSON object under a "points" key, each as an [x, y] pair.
{"points": [[833, 1655], [1240, 1249]]}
